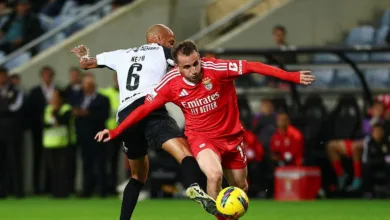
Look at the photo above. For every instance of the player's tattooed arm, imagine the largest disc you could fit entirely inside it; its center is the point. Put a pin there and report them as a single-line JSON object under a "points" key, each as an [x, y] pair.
{"points": [[85, 60], [88, 63]]}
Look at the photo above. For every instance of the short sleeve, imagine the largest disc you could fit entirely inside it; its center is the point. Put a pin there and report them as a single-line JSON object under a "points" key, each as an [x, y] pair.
{"points": [[110, 59]]}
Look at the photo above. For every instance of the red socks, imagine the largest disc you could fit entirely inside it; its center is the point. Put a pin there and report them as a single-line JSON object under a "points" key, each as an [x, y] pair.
{"points": [[338, 168], [357, 169], [221, 218]]}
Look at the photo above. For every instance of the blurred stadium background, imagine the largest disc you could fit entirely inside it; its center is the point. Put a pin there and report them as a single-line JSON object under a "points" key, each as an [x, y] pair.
{"points": [[336, 143]]}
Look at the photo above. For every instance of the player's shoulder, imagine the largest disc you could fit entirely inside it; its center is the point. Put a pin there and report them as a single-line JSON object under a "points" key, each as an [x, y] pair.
{"points": [[212, 65], [170, 78]]}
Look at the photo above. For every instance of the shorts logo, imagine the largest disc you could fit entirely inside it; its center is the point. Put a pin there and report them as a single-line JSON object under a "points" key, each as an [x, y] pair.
{"points": [[124, 147], [202, 145], [207, 83]]}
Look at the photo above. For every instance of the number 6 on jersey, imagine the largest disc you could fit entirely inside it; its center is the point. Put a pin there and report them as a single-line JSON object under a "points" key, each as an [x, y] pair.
{"points": [[132, 82]]}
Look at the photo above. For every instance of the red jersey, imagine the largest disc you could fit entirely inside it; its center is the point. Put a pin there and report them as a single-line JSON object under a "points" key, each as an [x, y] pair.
{"points": [[253, 149], [291, 142], [210, 106]]}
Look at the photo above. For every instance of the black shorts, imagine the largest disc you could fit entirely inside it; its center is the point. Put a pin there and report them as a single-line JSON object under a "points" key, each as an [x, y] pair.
{"points": [[152, 131]]}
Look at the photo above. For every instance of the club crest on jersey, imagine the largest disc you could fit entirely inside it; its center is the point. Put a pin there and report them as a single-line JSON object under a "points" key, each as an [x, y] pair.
{"points": [[207, 83]]}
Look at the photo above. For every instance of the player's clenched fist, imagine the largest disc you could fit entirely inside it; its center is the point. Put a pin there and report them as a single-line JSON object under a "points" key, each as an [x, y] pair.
{"points": [[81, 51], [306, 77]]}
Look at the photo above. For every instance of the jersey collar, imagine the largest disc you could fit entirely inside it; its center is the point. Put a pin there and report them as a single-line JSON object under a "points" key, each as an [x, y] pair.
{"points": [[188, 82]]}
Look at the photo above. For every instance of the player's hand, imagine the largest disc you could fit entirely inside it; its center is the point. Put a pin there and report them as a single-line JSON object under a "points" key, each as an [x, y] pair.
{"points": [[306, 77], [80, 51], [88, 63], [103, 135]]}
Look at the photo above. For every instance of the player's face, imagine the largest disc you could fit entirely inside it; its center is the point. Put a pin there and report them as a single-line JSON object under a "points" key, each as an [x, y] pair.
{"points": [[189, 66], [168, 39], [282, 121], [377, 133], [377, 110]]}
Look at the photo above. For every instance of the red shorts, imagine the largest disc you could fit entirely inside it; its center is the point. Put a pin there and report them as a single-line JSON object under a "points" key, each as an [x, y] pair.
{"points": [[348, 147], [230, 151]]}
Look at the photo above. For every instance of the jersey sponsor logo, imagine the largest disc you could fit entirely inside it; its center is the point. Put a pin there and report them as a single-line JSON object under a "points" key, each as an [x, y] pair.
{"points": [[202, 145], [202, 105], [207, 83], [183, 93]]}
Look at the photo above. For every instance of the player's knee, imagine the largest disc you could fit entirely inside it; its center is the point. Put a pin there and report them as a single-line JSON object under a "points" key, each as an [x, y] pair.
{"points": [[243, 185], [214, 175]]}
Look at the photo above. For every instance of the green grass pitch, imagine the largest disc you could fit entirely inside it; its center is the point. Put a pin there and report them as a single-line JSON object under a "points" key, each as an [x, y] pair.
{"points": [[96, 209]]}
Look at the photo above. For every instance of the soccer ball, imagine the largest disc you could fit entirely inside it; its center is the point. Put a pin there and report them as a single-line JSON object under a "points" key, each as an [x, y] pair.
{"points": [[232, 202]]}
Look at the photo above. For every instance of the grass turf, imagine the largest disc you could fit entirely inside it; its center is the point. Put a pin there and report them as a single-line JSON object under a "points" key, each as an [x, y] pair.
{"points": [[96, 209]]}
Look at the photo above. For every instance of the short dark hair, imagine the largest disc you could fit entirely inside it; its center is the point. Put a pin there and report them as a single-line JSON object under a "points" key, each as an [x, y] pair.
{"points": [[3, 70], [47, 68], [74, 69], [186, 48], [377, 125], [279, 28]]}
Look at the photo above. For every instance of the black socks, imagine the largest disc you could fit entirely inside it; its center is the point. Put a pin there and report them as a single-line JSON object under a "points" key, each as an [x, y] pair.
{"points": [[190, 171], [130, 198]]}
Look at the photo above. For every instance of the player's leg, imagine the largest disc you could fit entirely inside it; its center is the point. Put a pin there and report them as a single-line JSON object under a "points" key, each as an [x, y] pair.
{"points": [[135, 147], [235, 167], [357, 151], [164, 132], [210, 163], [179, 149], [139, 174], [335, 149]]}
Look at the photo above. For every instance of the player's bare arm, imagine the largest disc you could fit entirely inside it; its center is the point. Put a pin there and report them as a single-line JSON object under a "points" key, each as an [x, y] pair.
{"points": [[85, 61]]}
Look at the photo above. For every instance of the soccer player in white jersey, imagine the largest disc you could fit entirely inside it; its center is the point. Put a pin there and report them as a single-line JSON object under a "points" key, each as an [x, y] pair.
{"points": [[139, 71]]}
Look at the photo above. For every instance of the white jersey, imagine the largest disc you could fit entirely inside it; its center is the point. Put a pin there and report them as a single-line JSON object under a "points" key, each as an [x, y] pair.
{"points": [[139, 70]]}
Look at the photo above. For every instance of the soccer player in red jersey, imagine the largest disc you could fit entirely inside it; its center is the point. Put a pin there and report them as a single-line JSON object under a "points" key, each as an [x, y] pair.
{"points": [[287, 142], [204, 90]]}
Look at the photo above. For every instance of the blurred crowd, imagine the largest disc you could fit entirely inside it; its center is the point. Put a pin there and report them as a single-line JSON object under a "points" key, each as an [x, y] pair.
{"points": [[63, 122], [22, 21]]}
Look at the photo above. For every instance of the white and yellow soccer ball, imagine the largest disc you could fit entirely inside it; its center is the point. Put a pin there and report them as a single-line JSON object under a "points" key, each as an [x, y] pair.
{"points": [[232, 202]]}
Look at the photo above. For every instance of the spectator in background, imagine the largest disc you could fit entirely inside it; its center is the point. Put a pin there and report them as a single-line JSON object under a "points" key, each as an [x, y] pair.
{"points": [[57, 136], [386, 124], [376, 111], [74, 91], [11, 137], [254, 153], [91, 117], [52, 8], [286, 143], [38, 98], [279, 34], [22, 27], [264, 123], [119, 3], [15, 80], [351, 149], [74, 95], [376, 157], [112, 93]]}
